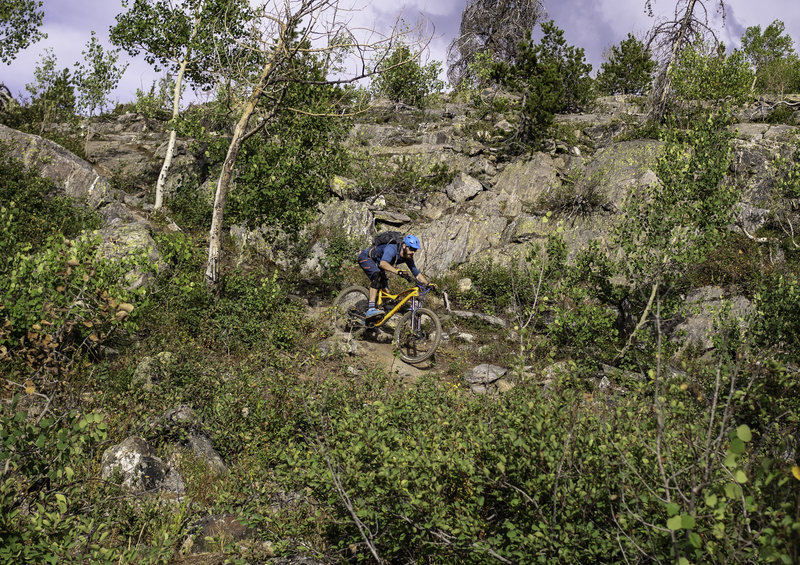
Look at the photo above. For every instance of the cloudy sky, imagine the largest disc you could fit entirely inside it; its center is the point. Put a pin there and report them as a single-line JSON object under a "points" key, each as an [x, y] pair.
{"points": [[594, 25]]}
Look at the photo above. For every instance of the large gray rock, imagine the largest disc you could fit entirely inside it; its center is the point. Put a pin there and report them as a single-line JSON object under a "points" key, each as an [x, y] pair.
{"points": [[704, 309], [485, 374], [488, 379], [462, 188], [139, 468], [529, 180], [126, 241], [454, 239], [578, 232], [353, 218], [71, 174], [613, 172]]}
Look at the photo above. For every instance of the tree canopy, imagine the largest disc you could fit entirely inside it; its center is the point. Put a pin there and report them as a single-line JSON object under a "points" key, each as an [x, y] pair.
{"points": [[628, 68], [20, 21], [772, 55]]}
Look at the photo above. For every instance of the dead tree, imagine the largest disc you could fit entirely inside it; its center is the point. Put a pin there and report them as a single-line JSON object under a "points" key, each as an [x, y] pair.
{"points": [[668, 38], [495, 26]]}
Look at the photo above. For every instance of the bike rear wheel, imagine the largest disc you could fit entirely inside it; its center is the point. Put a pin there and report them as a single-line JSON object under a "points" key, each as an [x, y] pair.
{"points": [[417, 336], [349, 308]]}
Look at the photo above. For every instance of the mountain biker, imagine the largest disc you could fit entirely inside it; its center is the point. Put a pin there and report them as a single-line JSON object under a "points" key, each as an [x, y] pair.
{"points": [[377, 260]]}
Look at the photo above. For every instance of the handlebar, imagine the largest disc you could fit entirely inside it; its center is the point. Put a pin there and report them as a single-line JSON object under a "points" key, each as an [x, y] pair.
{"points": [[410, 278]]}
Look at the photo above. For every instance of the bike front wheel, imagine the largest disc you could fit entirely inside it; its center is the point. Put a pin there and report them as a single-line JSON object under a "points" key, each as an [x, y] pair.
{"points": [[349, 308], [417, 335]]}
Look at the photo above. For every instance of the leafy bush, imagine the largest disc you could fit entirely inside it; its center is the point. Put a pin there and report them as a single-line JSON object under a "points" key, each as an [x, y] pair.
{"points": [[31, 210], [283, 172], [704, 75], [429, 474], [403, 79], [43, 487], [787, 171], [61, 302], [376, 175], [772, 55], [156, 102], [778, 303]]}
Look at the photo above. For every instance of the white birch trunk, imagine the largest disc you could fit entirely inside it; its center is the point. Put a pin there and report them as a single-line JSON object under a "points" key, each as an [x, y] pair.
{"points": [[176, 106], [225, 176]]}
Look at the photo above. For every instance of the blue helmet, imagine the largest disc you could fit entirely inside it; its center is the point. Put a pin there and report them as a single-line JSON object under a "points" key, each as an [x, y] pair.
{"points": [[411, 242]]}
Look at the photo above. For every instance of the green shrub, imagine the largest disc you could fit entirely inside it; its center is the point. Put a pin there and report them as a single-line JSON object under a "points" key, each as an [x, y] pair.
{"points": [[60, 303], [32, 211], [778, 324], [403, 79], [787, 171], [44, 489], [376, 175], [427, 474]]}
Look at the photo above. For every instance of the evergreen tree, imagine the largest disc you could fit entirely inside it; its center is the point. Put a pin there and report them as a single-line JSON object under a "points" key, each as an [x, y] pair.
{"points": [[552, 77], [569, 64], [628, 68]]}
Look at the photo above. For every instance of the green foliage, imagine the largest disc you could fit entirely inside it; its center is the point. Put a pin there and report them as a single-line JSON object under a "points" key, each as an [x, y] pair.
{"points": [[676, 222], [428, 474], [192, 211], [480, 71], [341, 251], [41, 491], [489, 27], [778, 304], [20, 21], [787, 171], [96, 76], [628, 68], [403, 79], [703, 75], [155, 103], [377, 174], [552, 77], [194, 31], [559, 306], [53, 94], [250, 311], [578, 195], [570, 67], [63, 300], [285, 169], [58, 298], [31, 212], [772, 55]]}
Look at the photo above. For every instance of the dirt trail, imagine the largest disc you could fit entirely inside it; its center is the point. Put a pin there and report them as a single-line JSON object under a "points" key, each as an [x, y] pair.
{"points": [[375, 348]]}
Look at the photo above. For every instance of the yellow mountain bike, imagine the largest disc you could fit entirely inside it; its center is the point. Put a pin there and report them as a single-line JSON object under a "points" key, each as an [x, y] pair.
{"points": [[417, 334]]}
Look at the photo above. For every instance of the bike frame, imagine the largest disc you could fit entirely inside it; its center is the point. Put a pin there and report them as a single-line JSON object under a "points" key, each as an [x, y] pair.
{"points": [[415, 294]]}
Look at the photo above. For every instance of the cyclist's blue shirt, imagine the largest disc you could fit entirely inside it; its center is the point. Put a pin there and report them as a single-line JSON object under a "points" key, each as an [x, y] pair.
{"points": [[389, 253]]}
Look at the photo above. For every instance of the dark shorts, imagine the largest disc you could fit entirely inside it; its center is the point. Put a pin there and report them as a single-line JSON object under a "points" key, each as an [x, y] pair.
{"points": [[377, 276]]}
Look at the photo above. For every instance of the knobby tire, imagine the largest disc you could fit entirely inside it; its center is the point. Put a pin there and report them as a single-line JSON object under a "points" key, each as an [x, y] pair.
{"points": [[351, 298], [420, 347]]}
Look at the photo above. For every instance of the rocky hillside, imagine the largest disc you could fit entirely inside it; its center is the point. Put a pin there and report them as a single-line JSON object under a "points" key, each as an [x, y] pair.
{"points": [[241, 426], [494, 207]]}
